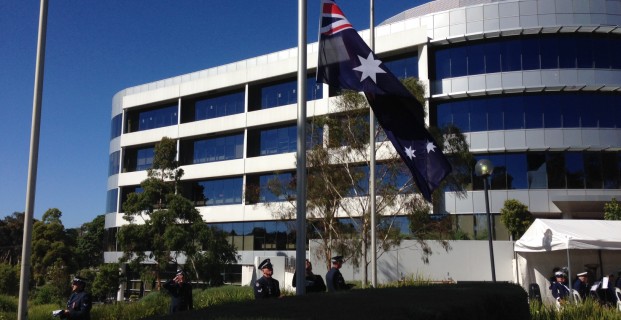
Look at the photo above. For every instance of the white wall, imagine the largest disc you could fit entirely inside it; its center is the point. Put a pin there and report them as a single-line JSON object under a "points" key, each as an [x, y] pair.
{"points": [[467, 260]]}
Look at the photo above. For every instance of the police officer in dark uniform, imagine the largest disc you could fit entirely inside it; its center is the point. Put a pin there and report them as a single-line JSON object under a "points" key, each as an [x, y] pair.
{"points": [[266, 286], [79, 304], [559, 290], [334, 278], [180, 291], [314, 282], [582, 284]]}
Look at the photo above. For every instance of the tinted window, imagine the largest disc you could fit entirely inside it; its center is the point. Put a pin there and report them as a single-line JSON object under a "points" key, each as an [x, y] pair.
{"points": [[574, 166], [219, 106], [537, 173]]}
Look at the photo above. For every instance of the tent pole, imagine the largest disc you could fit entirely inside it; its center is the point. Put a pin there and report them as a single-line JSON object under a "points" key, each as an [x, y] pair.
{"points": [[569, 271], [601, 264]]}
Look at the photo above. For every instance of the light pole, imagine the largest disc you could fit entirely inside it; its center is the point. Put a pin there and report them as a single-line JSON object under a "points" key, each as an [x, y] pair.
{"points": [[484, 168]]}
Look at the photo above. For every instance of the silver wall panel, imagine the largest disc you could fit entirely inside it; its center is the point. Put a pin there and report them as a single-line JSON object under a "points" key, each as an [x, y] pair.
{"points": [[474, 14], [496, 140], [590, 138], [476, 83], [511, 80], [528, 8], [538, 201], [572, 138], [554, 139], [478, 140], [516, 139], [535, 139], [529, 21]]}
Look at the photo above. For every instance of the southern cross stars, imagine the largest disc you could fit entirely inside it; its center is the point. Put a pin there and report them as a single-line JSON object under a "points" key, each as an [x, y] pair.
{"points": [[369, 67], [410, 152], [430, 147]]}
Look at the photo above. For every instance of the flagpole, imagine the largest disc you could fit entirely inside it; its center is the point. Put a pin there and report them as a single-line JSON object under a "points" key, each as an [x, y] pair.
{"points": [[372, 160], [24, 279], [300, 241]]}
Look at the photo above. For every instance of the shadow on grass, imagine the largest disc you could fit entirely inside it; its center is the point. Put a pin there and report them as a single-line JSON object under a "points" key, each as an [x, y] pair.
{"points": [[455, 301]]}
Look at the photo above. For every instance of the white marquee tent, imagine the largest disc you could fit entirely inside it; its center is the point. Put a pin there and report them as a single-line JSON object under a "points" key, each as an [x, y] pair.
{"points": [[575, 244]]}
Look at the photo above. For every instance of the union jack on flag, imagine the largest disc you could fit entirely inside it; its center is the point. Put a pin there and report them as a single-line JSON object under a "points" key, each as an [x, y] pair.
{"points": [[332, 19], [346, 62]]}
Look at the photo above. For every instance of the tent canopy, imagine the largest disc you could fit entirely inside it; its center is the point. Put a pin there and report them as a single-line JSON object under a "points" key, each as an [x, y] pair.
{"points": [[550, 235]]}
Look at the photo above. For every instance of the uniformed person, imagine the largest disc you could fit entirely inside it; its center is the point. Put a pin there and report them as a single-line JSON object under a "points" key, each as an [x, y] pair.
{"points": [[334, 278], [180, 292], [582, 284], [314, 282], [559, 290], [80, 303], [266, 286]]}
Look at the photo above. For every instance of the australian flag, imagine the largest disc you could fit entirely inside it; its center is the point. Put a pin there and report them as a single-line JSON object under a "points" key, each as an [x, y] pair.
{"points": [[345, 61]]}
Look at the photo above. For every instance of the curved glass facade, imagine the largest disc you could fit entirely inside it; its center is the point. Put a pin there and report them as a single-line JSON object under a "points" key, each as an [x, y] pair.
{"points": [[552, 170], [532, 111], [600, 51]]}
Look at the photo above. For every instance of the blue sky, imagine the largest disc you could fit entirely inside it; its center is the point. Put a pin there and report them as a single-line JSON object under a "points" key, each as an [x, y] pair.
{"points": [[96, 48]]}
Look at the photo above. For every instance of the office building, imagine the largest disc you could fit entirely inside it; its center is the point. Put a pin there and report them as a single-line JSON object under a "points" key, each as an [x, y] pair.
{"points": [[534, 85]]}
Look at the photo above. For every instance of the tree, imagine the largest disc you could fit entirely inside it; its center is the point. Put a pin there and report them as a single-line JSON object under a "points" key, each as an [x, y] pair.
{"points": [[337, 181], [90, 241], [11, 237], [612, 210], [9, 279], [163, 225], [107, 281], [51, 247], [516, 217]]}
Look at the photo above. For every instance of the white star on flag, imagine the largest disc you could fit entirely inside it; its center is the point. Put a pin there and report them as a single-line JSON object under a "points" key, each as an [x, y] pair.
{"points": [[410, 152], [369, 67], [430, 147]]}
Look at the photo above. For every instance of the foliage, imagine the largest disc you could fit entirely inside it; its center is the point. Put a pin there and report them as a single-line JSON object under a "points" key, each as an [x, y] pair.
{"points": [[49, 294], [58, 276], [612, 210], [9, 278], [221, 295], [90, 242], [11, 237], [589, 309], [41, 311], [106, 282], [163, 225], [516, 217], [8, 303], [51, 247]]}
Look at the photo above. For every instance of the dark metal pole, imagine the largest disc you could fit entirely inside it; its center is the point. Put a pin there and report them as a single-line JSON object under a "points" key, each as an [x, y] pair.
{"points": [[489, 231]]}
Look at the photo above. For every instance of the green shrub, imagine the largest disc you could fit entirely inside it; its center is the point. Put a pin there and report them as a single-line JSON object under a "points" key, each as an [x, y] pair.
{"points": [[48, 294], [587, 310], [41, 312], [8, 303], [9, 279], [220, 295]]}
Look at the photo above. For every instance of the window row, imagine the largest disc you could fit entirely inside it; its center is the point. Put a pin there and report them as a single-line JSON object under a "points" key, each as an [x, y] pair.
{"points": [[260, 97], [281, 235], [600, 51], [267, 235], [552, 170], [532, 111], [520, 170], [274, 187], [261, 142], [195, 109]]}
